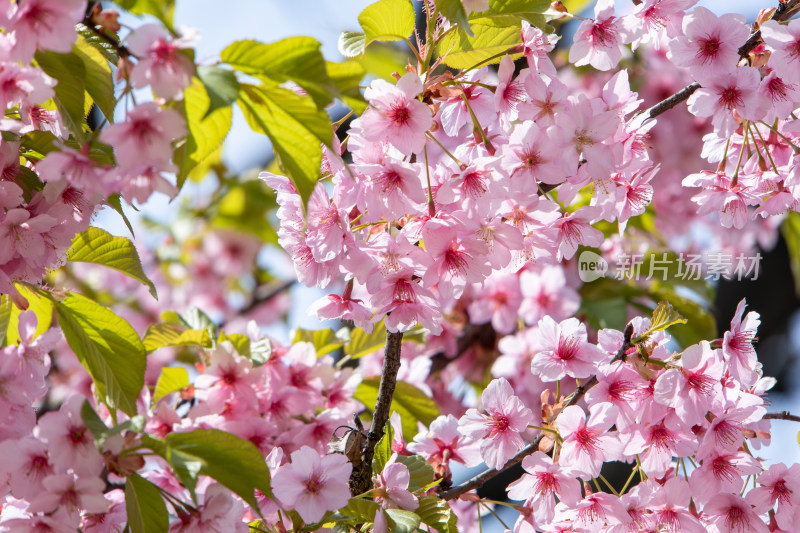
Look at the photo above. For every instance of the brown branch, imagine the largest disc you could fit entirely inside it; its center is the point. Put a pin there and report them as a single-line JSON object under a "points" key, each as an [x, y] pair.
{"points": [[485, 476], [668, 103], [361, 478], [783, 415]]}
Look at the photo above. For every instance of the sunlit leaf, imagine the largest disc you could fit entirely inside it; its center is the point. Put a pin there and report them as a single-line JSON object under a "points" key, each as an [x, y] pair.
{"points": [[99, 247]]}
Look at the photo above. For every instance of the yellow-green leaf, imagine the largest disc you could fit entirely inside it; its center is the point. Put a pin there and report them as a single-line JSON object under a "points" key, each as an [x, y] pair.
{"points": [[99, 79], [296, 59], [99, 247], [165, 334], [362, 343], [388, 20], [296, 128], [70, 72], [206, 133], [410, 403], [108, 347], [172, 379], [146, 510]]}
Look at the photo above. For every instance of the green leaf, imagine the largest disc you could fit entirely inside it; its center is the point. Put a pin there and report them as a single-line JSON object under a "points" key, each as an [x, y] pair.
{"points": [[41, 142], [411, 403], [6, 308], [324, 340], [42, 307], [296, 59], [115, 202], [244, 207], [231, 460], [436, 513], [347, 77], [404, 521], [206, 133], [453, 10], [388, 20], [99, 79], [791, 233], [513, 12], [99, 247], [362, 343], [360, 509], [490, 43], [699, 323], [93, 422], [421, 472], [240, 342], [221, 85], [664, 316], [197, 319], [164, 334], [383, 450], [100, 431], [352, 43], [70, 72], [383, 59], [296, 128], [147, 512], [163, 10], [605, 313], [172, 379], [108, 347]]}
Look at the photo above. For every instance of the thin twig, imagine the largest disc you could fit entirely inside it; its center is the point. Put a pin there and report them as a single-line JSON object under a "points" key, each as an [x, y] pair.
{"points": [[783, 415], [485, 476]]}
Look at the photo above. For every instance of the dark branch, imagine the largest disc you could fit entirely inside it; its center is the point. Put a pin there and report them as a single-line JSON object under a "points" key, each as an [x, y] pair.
{"points": [[361, 478], [672, 101], [783, 415], [485, 476]]}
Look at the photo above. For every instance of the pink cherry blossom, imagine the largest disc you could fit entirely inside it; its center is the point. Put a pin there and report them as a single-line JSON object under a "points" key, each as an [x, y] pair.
{"points": [[443, 443], [730, 513], [710, 44], [784, 39], [587, 443], [499, 425], [737, 345], [313, 484], [145, 135], [564, 351], [725, 93], [45, 24], [396, 114], [161, 64], [536, 45], [71, 443], [693, 387], [598, 42], [541, 484]]}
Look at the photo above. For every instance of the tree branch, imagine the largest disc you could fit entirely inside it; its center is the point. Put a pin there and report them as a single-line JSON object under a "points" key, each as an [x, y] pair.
{"points": [[783, 415], [361, 478], [483, 477]]}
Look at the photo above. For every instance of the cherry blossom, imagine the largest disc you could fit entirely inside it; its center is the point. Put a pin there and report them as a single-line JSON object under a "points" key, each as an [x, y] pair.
{"points": [[313, 484]]}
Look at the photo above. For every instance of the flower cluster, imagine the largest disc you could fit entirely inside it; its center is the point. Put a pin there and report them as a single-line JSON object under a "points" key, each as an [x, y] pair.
{"points": [[54, 177]]}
